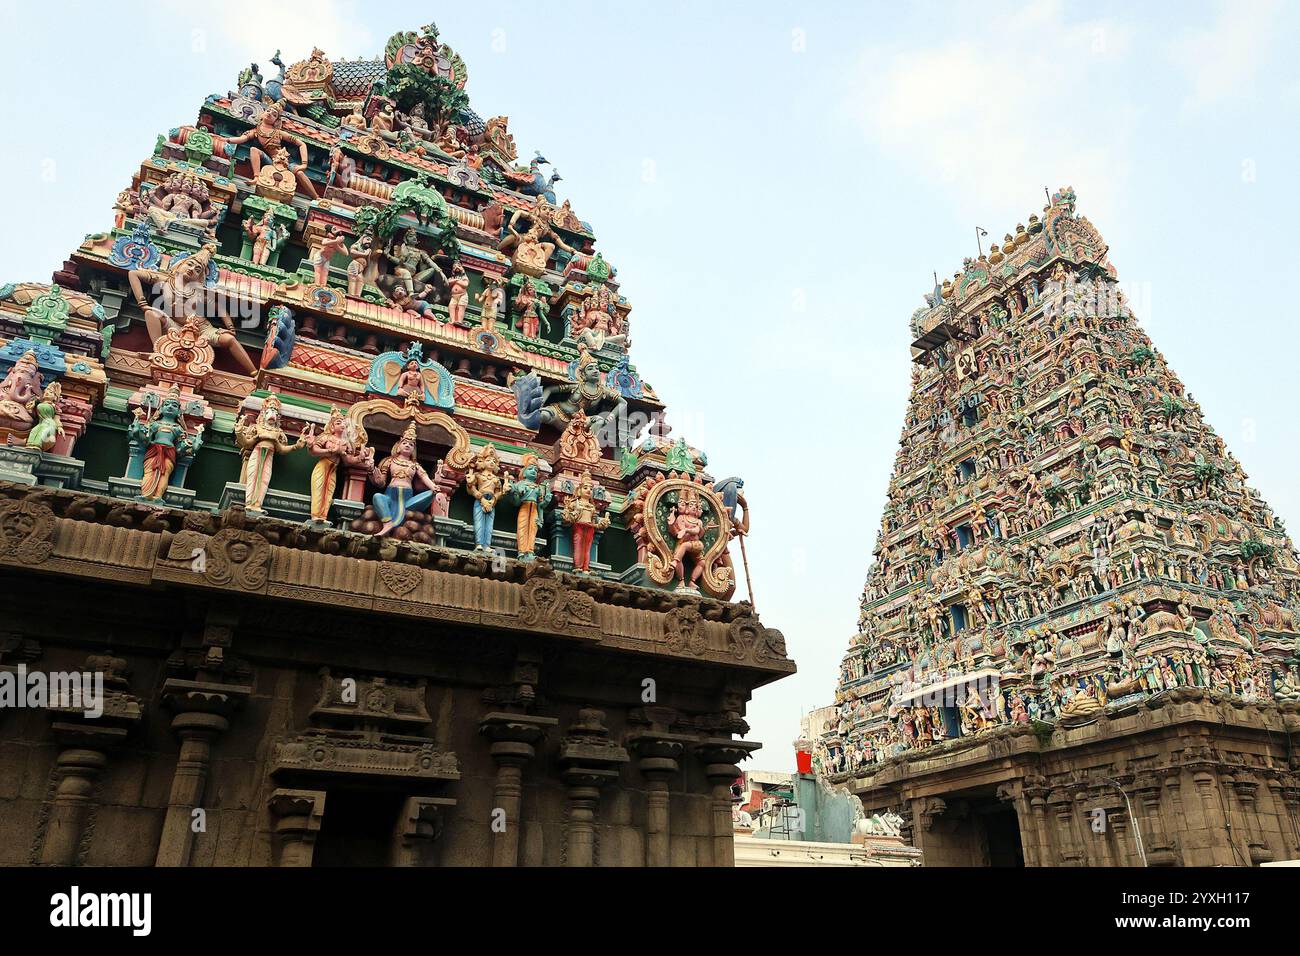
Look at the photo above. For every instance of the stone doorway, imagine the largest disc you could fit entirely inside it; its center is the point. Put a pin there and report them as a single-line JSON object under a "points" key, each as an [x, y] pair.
{"points": [[357, 828], [1001, 832]]}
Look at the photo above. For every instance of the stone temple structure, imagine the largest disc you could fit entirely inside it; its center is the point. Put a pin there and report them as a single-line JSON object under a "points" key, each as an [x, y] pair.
{"points": [[336, 525], [1078, 639]]}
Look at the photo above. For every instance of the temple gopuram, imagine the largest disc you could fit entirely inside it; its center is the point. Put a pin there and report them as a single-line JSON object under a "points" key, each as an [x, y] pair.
{"points": [[329, 461], [1078, 638]]}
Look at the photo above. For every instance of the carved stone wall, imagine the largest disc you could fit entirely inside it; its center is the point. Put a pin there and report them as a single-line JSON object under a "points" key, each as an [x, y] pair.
{"points": [[1206, 780], [263, 676]]}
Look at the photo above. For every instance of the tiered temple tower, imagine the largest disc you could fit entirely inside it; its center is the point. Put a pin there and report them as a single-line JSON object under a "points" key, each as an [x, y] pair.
{"points": [[330, 456], [1075, 596]]}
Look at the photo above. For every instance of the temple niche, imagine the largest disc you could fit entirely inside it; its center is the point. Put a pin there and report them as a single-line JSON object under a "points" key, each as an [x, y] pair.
{"points": [[1071, 579], [342, 350]]}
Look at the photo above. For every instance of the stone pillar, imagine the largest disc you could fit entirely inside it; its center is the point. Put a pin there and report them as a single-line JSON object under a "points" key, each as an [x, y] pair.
{"points": [[1147, 792], [514, 743], [658, 758], [77, 769], [201, 716], [298, 815], [87, 742], [588, 761], [720, 757], [1035, 795]]}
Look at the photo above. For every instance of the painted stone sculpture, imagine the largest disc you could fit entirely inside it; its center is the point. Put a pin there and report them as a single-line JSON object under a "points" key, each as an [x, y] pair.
{"points": [[49, 427], [485, 485], [261, 440], [532, 496], [166, 439], [20, 388], [556, 405], [334, 447], [397, 475], [583, 516], [181, 297]]}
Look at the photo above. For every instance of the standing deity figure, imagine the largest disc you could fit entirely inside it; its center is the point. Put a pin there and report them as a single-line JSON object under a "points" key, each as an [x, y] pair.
{"points": [[333, 447], [532, 496], [397, 474], [485, 484], [180, 292], [18, 392], [687, 527], [165, 436], [261, 440], [49, 427], [266, 235], [459, 301], [581, 513], [362, 250], [528, 308], [335, 242], [492, 301], [269, 138]]}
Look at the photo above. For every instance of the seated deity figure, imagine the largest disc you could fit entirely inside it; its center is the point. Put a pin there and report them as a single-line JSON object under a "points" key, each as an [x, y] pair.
{"points": [[268, 137], [18, 392], [397, 475], [181, 199], [180, 292]]}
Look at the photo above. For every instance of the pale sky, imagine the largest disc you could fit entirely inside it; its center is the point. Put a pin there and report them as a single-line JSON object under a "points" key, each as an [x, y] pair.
{"points": [[775, 185]]}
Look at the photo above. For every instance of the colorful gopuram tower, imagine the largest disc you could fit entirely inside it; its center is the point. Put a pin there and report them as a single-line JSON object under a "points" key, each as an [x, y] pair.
{"points": [[1078, 638], [329, 457]]}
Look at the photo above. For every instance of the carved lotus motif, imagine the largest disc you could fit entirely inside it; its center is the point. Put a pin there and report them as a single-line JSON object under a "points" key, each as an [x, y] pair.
{"points": [[401, 579]]}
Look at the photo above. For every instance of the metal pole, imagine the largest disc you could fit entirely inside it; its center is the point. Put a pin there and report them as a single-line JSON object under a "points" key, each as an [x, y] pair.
{"points": [[749, 585], [1137, 829]]}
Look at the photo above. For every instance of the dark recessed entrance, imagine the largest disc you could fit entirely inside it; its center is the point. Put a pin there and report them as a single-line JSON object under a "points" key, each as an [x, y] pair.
{"points": [[357, 828]]}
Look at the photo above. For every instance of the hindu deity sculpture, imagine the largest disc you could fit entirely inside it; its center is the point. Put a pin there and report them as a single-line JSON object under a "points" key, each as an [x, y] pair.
{"points": [[459, 301], [598, 323], [181, 295], [419, 306], [18, 392], [485, 484], [165, 436], [269, 137], [532, 496], [528, 309], [397, 475], [556, 405], [267, 236], [583, 516], [181, 199], [49, 427], [335, 242], [412, 267], [261, 440], [687, 527], [335, 446], [492, 301], [360, 254], [529, 250]]}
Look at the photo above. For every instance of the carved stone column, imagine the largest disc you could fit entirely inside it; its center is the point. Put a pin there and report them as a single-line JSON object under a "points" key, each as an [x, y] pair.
{"points": [[514, 743], [202, 711], [87, 742], [720, 757], [298, 815], [588, 760], [658, 757]]}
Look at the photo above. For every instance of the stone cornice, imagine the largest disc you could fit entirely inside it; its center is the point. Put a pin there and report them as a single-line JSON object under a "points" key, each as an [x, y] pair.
{"points": [[111, 540]]}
